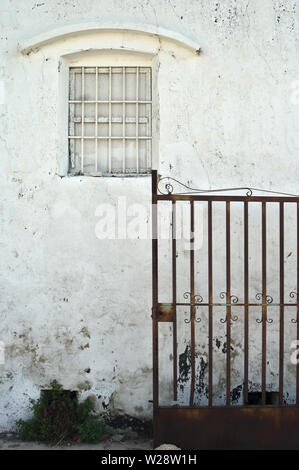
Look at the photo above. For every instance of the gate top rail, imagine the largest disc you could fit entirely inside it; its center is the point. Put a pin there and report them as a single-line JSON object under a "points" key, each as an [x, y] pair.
{"points": [[166, 185]]}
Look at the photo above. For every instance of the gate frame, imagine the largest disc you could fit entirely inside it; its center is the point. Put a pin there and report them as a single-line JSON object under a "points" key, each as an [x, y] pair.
{"points": [[223, 427]]}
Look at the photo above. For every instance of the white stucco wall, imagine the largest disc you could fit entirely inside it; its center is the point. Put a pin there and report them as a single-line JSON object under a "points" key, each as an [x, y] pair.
{"points": [[227, 117]]}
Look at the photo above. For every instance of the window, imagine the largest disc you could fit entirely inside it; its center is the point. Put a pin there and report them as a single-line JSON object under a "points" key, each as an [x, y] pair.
{"points": [[110, 114]]}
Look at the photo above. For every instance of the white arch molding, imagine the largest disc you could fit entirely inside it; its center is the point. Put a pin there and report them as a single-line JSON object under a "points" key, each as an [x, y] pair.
{"points": [[34, 43]]}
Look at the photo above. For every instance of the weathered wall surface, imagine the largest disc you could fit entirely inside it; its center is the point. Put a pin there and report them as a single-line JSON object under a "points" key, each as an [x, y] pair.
{"points": [[77, 308]]}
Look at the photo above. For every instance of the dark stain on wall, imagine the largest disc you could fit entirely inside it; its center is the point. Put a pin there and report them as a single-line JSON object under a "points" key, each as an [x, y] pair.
{"points": [[236, 393], [184, 367], [224, 349], [202, 388]]}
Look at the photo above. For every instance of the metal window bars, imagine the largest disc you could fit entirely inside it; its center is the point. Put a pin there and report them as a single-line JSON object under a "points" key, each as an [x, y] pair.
{"points": [[110, 113]]}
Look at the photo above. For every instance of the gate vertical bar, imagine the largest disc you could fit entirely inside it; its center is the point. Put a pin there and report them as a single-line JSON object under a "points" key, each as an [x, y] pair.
{"points": [[155, 289], [264, 301], [174, 324], [137, 119], [124, 118], [110, 119], [297, 366], [210, 262], [192, 307], [96, 120], [228, 307], [246, 303], [82, 119], [281, 296]]}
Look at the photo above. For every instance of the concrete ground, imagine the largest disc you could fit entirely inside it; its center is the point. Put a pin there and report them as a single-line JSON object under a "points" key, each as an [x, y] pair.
{"points": [[116, 441]]}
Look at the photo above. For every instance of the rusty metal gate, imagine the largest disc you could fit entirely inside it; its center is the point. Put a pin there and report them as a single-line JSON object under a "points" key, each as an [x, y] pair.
{"points": [[256, 406]]}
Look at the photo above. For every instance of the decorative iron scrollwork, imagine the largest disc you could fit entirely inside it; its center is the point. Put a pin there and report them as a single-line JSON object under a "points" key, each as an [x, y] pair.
{"points": [[233, 318], [167, 183], [197, 297], [268, 320], [294, 295], [166, 187], [233, 298], [259, 296], [269, 300], [188, 320]]}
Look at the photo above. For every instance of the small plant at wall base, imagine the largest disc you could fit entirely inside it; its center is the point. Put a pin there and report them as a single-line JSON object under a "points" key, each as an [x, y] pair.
{"points": [[58, 417]]}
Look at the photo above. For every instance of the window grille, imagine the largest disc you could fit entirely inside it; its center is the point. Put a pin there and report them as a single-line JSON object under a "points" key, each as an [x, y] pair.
{"points": [[110, 114]]}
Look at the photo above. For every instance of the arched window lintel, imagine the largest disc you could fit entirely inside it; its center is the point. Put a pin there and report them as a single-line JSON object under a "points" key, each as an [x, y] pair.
{"points": [[34, 43]]}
